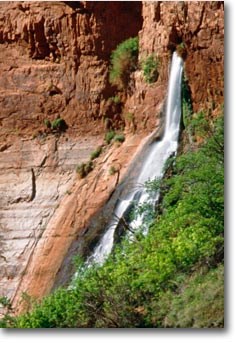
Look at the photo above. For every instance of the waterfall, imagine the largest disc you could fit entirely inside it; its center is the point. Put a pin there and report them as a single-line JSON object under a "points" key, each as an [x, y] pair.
{"points": [[152, 167]]}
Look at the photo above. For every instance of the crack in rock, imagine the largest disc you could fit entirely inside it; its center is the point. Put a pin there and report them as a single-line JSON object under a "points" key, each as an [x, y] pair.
{"points": [[33, 189]]}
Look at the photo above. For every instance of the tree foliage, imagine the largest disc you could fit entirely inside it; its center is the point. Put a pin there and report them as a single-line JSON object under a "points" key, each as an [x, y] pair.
{"points": [[123, 62]]}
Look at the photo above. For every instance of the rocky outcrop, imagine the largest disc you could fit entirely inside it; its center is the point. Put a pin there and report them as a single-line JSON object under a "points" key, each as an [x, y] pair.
{"points": [[54, 62]]}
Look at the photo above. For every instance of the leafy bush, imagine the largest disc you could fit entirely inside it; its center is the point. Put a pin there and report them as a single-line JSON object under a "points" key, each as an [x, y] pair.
{"points": [[198, 302], [109, 136], [150, 68], [119, 138], [123, 62], [5, 302], [84, 169], [59, 124], [96, 153]]}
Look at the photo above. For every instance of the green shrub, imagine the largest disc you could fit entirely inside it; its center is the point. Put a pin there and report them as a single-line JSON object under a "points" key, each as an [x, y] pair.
{"points": [[119, 138], [96, 153], [109, 136], [198, 302], [150, 68], [84, 168], [59, 124], [5, 302], [123, 62]]}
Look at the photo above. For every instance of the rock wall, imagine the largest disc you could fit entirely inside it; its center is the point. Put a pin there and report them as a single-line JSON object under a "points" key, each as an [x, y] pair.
{"points": [[54, 61]]}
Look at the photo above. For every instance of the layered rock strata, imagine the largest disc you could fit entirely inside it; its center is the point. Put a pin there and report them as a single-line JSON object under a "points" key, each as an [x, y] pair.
{"points": [[35, 176]]}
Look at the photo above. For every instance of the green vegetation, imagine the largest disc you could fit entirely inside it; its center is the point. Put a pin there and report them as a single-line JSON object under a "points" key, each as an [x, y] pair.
{"points": [[119, 138], [5, 302], [84, 168], [172, 277], [96, 153], [57, 125], [150, 68], [109, 136], [123, 62], [113, 136], [112, 170]]}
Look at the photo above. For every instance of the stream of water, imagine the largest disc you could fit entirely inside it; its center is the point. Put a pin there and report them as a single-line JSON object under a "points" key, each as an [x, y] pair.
{"points": [[152, 167]]}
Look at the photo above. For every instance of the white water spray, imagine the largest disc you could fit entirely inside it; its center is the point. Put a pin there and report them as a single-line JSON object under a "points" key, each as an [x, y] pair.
{"points": [[153, 164]]}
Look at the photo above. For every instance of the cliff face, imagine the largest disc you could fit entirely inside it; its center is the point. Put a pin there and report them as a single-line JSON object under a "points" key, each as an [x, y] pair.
{"points": [[54, 62]]}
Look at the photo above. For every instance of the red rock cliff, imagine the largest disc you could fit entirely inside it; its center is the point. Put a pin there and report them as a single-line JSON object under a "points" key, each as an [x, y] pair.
{"points": [[54, 60]]}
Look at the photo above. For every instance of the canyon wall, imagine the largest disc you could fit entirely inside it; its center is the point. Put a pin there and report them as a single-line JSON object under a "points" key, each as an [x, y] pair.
{"points": [[54, 63]]}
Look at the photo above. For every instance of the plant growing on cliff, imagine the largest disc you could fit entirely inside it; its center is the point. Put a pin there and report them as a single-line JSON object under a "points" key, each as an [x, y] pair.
{"points": [[83, 169], [109, 136], [123, 61], [94, 154], [119, 138], [112, 170], [57, 125], [150, 68]]}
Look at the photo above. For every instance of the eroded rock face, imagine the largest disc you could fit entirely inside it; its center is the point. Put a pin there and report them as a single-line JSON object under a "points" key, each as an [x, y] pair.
{"points": [[72, 216], [54, 62], [35, 176]]}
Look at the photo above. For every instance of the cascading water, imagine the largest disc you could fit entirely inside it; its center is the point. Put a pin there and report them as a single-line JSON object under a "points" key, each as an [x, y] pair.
{"points": [[153, 164]]}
